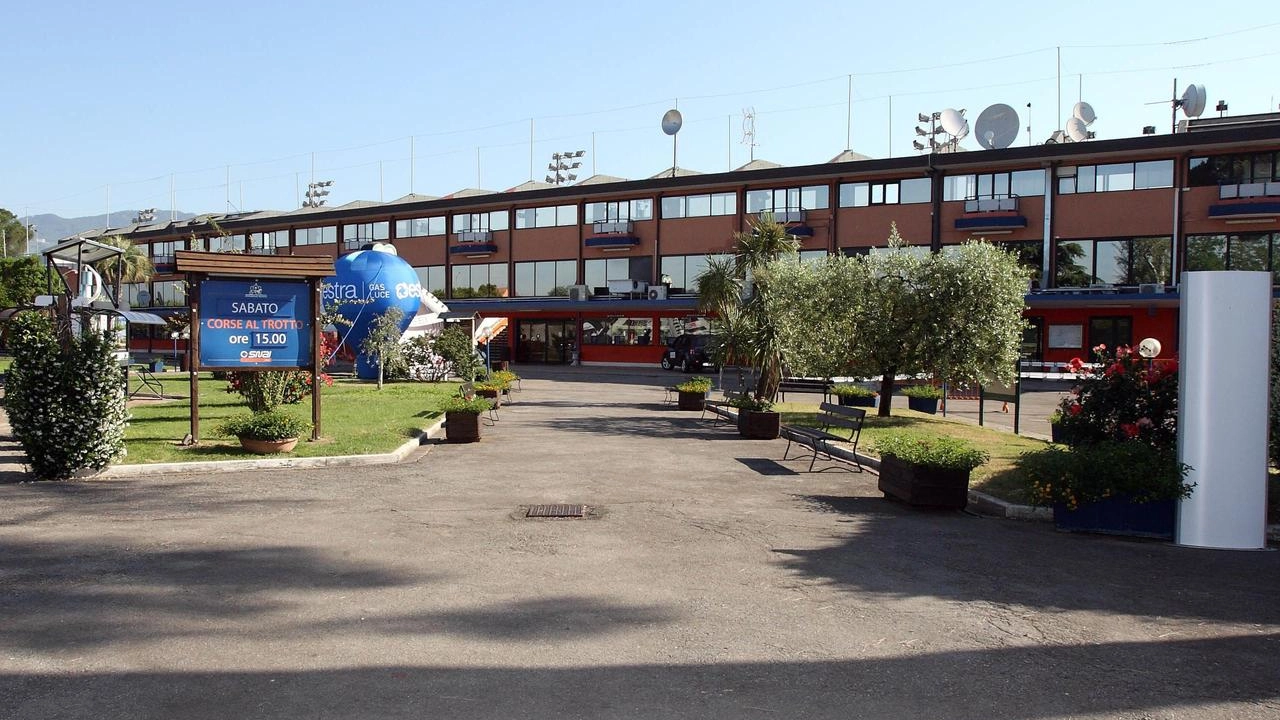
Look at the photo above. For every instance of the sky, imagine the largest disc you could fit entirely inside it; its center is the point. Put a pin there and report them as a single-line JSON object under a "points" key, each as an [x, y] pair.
{"points": [[238, 105]]}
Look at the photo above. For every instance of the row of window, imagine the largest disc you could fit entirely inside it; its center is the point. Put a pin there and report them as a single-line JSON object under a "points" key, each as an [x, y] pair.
{"points": [[1016, 183], [1234, 169], [1115, 176]]}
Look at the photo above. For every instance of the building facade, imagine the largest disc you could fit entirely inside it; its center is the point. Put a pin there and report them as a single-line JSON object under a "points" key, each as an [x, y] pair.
{"points": [[604, 271]]}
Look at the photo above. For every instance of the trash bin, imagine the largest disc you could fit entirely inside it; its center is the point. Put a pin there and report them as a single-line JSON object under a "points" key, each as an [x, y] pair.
{"points": [[157, 366]]}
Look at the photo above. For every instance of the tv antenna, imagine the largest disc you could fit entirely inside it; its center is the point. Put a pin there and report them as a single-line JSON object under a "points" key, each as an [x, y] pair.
{"points": [[671, 122], [749, 130], [997, 127]]}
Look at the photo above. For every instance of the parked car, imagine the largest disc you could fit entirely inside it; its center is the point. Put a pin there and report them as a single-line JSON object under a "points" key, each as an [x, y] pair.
{"points": [[689, 353]]}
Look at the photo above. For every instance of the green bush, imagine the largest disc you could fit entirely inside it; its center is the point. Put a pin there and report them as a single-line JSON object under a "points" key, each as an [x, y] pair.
{"points": [[695, 384], [463, 405], [752, 403], [1089, 473], [846, 390], [1126, 397], [490, 386], [943, 453], [927, 392], [269, 425], [65, 401], [455, 346]]}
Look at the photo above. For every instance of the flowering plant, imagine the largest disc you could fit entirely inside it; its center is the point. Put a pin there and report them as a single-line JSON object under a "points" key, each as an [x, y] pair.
{"points": [[1089, 473], [265, 390], [1124, 397]]}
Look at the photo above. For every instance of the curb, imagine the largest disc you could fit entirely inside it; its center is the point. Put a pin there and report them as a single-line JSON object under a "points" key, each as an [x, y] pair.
{"points": [[216, 466]]}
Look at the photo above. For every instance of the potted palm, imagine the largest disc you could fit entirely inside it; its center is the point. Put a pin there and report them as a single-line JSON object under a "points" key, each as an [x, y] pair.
{"points": [[462, 418], [757, 419], [854, 395], [931, 471], [272, 431], [693, 393], [923, 398]]}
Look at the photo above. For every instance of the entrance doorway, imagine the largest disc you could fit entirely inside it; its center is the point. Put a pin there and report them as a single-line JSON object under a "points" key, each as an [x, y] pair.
{"points": [[548, 342]]}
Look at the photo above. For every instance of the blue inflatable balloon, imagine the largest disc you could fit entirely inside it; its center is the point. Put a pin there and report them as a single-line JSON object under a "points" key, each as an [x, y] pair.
{"points": [[367, 283]]}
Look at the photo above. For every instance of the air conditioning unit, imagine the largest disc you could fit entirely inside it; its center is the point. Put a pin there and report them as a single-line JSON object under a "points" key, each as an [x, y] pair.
{"points": [[658, 292], [579, 292], [1151, 288]]}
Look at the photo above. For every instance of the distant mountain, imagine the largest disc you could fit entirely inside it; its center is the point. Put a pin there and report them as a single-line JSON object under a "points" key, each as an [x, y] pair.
{"points": [[54, 228]]}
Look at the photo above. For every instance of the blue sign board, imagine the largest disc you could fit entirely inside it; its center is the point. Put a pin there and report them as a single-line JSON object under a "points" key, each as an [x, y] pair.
{"points": [[255, 325]]}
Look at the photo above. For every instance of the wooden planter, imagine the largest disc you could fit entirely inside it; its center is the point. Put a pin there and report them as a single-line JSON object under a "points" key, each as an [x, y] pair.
{"points": [[492, 395], [923, 485], [1119, 516], [461, 427], [268, 447], [857, 400], [758, 425], [924, 405], [692, 400]]}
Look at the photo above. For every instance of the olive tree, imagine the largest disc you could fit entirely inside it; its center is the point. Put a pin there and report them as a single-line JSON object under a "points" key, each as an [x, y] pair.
{"points": [[382, 344]]}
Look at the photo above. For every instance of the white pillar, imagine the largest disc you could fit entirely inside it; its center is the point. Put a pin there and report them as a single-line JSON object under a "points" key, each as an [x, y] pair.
{"points": [[1223, 389]]}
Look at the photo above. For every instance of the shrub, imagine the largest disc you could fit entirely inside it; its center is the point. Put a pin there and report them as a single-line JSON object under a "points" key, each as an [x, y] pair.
{"points": [[265, 390], [1089, 473], [846, 390], [695, 384], [943, 453], [1126, 398], [489, 386], [475, 405], [456, 347], [504, 378], [65, 401], [927, 392], [269, 425], [752, 403]]}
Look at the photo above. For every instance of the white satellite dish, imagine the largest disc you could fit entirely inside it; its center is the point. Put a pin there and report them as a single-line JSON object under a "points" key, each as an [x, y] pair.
{"points": [[1084, 111], [1193, 100], [671, 122], [954, 123], [1149, 348], [997, 127], [1077, 130]]}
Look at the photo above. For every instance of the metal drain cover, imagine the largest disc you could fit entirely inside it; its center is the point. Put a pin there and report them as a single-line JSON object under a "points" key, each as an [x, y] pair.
{"points": [[556, 511]]}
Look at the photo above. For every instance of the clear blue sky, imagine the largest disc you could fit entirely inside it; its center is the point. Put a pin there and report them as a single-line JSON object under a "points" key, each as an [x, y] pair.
{"points": [[128, 95]]}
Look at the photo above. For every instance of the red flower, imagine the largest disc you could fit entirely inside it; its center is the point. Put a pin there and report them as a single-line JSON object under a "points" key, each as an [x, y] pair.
{"points": [[1074, 408], [1075, 364], [1116, 368], [1130, 430]]}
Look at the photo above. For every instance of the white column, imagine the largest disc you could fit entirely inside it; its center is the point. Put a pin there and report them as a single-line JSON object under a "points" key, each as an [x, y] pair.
{"points": [[1224, 352]]}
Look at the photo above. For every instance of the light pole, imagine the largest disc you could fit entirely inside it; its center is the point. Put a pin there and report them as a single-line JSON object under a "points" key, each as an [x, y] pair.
{"points": [[316, 193], [560, 166]]}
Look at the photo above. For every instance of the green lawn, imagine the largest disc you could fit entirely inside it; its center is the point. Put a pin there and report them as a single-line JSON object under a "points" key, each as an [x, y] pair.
{"points": [[357, 419], [999, 476]]}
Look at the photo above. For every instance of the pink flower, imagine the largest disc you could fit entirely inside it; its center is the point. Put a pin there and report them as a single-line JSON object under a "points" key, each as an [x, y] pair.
{"points": [[1145, 423]]}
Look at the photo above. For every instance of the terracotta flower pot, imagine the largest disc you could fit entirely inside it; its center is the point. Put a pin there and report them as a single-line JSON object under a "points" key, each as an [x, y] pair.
{"points": [[268, 447]]}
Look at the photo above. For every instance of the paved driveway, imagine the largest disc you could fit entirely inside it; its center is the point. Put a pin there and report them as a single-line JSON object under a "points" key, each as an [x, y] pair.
{"points": [[713, 582]]}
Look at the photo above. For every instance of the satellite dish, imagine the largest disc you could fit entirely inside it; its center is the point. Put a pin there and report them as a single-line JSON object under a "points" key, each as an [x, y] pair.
{"points": [[954, 123], [1149, 348], [1076, 129], [1193, 100], [1084, 111], [997, 127], [671, 122]]}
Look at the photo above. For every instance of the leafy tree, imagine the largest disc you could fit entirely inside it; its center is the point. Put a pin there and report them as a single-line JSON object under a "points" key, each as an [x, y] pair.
{"points": [[818, 308], [382, 344], [133, 266], [455, 346], [736, 291], [15, 234], [22, 279]]}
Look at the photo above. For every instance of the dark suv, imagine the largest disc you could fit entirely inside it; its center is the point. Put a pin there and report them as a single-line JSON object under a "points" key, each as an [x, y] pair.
{"points": [[689, 353]]}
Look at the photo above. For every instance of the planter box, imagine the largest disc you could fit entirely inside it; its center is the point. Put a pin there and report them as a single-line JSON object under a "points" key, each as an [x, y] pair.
{"points": [[922, 485], [268, 447], [924, 405], [492, 395], [1120, 516], [857, 400], [757, 425], [692, 401], [461, 427], [1058, 434]]}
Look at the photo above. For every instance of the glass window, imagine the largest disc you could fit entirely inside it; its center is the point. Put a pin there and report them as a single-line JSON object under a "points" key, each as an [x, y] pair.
{"points": [[1114, 177], [642, 209], [1074, 264], [877, 193], [1067, 185], [724, 204], [960, 187], [1154, 174], [1248, 252], [525, 218], [1112, 262], [366, 231], [566, 215], [618, 330], [891, 194], [1027, 183], [672, 207], [431, 278], [815, 197], [172, 293], [316, 235], [1151, 260], [699, 205], [759, 201], [544, 217], [1110, 331], [1207, 252], [855, 194], [499, 220], [1085, 176], [915, 190], [545, 278], [133, 294]]}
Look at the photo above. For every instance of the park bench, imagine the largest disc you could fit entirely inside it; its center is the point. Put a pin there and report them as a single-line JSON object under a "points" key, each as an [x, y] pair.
{"points": [[804, 385], [468, 390], [819, 439], [718, 407]]}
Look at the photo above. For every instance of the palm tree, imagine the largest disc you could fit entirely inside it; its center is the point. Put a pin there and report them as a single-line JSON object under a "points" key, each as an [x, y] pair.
{"points": [[132, 266], [733, 288]]}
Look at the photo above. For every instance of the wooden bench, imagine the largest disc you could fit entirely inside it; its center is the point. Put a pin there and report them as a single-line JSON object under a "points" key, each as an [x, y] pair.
{"points": [[468, 391], [819, 439], [717, 407], [804, 385]]}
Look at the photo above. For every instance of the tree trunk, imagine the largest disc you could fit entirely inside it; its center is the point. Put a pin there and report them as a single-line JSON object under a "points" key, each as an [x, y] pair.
{"points": [[886, 392], [379, 373]]}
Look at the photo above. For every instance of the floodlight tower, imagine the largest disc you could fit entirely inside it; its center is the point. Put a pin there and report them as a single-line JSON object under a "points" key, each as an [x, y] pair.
{"points": [[562, 165], [316, 193], [145, 216]]}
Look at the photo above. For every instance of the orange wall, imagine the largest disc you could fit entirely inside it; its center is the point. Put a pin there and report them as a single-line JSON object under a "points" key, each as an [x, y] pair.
{"points": [[1114, 214], [697, 236], [869, 226], [545, 243], [421, 251]]}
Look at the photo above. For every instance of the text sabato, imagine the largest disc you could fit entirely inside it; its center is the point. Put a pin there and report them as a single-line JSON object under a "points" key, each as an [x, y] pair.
{"points": [[218, 323], [373, 291]]}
